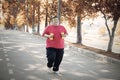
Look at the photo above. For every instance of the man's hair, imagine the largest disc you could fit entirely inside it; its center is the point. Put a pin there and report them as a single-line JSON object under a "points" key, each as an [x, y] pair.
{"points": [[53, 17]]}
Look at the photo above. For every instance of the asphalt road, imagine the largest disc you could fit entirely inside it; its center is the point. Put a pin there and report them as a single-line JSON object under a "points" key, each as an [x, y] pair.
{"points": [[23, 57]]}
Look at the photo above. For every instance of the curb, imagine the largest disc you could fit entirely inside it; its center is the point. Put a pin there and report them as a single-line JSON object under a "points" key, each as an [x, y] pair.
{"points": [[94, 55]]}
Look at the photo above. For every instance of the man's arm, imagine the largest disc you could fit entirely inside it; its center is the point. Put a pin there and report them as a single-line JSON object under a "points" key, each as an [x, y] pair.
{"points": [[48, 35]]}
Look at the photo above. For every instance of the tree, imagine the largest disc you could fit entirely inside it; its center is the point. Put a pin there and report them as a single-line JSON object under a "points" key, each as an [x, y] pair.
{"points": [[32, 14], [9, 12], [50, 7], [11, 8], [80, 9], [110, 10]]}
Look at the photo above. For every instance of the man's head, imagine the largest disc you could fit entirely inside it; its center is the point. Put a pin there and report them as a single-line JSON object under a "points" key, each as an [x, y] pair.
{"points": [[55, 20]]}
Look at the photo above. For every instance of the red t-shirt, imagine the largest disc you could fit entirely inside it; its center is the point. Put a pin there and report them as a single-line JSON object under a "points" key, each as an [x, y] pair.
{"points": [[57, 41]]}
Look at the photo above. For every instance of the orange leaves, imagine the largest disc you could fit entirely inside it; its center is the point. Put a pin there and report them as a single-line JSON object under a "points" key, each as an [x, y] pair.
{"points": [[21, 19], [5, 5]]}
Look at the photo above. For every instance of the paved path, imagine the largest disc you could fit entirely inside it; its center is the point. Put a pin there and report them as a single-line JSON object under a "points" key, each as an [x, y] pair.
{"points": [[22, 57]]}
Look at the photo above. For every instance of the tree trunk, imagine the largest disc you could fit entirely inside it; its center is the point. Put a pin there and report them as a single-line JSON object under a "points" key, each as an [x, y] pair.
{"points": [[111, 40], [46, 21], [38, 28], [79, 36], [112, 33], [33, 15], [27, 17], [59, 10], [7, 24]]}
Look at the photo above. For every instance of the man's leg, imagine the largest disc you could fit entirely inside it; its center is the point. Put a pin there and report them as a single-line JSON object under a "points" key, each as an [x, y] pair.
{"points": [[58, 59], [50, 56]]}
